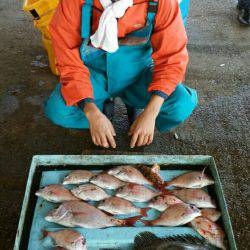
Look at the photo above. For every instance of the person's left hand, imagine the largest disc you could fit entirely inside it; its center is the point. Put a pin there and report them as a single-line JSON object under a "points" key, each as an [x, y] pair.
{"points": [[142, 130]]}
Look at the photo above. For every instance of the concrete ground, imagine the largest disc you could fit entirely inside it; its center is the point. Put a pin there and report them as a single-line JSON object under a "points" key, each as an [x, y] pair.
{"points": [[219, 69]]}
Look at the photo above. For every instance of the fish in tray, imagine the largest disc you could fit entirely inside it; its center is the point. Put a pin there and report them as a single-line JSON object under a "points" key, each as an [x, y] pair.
{"points": [[175, 215], [149, 241], [152, 174], [163, 201], [104, 180], [197, 197], [81, 214], [118, 206], [210, 231], [56, 193], [211, 214], [78, 177], [194, 179], [67, 239], [130, 174], [89, 192], [136, 193]]}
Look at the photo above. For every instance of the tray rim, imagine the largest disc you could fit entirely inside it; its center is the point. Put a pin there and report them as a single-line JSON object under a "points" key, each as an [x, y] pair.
{"points": [[57, 160]]}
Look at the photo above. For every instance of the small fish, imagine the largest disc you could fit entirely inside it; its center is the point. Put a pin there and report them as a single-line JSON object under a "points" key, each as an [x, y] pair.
{"points": [[211, 214], [136, 193], [78, 177], [130, 174], [68, 239], [89, 192], [55, 193], [176, 215], [107, 181], [116, 206], [195, 179], [197, 197], [149, 241], [163, 201], [152, 174], [210, 231], [81, 214]]}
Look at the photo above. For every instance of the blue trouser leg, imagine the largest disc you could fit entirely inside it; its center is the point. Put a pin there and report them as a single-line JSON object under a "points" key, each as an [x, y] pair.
{"points": [[56, 110], [175, 109]]}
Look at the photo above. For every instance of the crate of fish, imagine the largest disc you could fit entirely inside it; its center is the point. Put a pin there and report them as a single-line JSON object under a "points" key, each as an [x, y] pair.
{"points": [[124, 202]]}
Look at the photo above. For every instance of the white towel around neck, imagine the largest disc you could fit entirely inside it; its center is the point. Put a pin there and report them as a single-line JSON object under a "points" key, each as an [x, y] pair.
{"points": [[106, 36]]}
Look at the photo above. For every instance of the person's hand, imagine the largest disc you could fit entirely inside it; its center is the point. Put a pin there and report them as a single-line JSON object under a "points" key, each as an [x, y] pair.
{"points": [[142, 130], [101, 129]]}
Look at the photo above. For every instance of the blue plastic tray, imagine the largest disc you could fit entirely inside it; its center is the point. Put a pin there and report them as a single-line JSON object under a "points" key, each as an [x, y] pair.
{"points": [[52, 169]]}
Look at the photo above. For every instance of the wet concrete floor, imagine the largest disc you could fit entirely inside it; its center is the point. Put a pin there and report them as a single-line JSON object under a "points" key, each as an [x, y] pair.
{"points": [[219, 69]]}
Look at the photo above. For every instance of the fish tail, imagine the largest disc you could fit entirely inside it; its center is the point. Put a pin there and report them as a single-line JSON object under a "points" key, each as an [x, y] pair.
{"points": [[166, 184], [45, 233], [144, 211], [131, 221], [147, 223], [164, 191]]}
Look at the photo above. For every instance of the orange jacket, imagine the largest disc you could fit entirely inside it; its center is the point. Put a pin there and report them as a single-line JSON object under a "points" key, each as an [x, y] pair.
{"points": [[168, 40]]}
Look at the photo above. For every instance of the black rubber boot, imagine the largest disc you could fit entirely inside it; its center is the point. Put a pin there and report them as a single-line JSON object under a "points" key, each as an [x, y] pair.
{"points": [[132, 113], [109, 109], [244, 15]]}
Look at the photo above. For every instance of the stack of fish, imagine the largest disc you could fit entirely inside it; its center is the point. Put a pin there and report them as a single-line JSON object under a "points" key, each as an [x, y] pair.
{"points": [[184, 203]]}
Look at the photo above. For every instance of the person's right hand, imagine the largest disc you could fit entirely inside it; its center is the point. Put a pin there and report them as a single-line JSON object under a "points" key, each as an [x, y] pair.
{"points": [[101, 129]]}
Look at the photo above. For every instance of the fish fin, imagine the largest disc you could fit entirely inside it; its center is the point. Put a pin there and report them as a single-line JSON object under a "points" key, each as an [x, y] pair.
{"points": [[131, 221], [45, 233], [145, 239], [165, 192], [156, 169], [147, 223], [144, 211]]}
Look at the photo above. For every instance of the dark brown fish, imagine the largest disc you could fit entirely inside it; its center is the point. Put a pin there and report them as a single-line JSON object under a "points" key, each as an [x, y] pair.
{"points": [[152, 174], [149, 241]]}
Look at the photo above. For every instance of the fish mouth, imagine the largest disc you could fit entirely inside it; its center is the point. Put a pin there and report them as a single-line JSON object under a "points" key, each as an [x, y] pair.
{"points": [[38, 193]]}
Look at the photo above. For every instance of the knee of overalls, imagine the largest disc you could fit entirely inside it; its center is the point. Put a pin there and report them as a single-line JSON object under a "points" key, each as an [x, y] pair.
{"points": [[177, 108], [56, 110]]}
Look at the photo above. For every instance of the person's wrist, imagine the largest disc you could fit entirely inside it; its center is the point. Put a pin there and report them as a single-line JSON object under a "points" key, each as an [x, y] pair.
{"points": [[90, 110]]}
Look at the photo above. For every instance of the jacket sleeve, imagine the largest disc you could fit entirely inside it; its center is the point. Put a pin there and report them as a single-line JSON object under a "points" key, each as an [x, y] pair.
{"points": [[169, 41], [65, 29]]}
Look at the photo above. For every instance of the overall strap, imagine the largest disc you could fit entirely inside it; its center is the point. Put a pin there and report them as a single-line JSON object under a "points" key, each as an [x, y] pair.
{"points": [[86, 19], [152, 10]]}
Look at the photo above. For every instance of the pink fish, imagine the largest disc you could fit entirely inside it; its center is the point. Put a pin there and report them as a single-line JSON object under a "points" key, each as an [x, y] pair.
{"points": [[163, 201], [89, 192], [107, 181], [136, 193], [211, 214], [194, 179], [115, 205], [210, 231], [68, 239], [81, 214], [175, 215], [78, 177], [197, 197], [130, 174], [56, 193]]}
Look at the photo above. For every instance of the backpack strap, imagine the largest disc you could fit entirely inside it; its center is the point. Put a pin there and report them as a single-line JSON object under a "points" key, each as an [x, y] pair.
{"points": [[86, 19], [152, 10]]}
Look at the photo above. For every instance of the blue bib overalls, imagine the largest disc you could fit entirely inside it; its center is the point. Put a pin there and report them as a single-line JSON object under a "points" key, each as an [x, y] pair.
{"points": [[126, 73]]}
